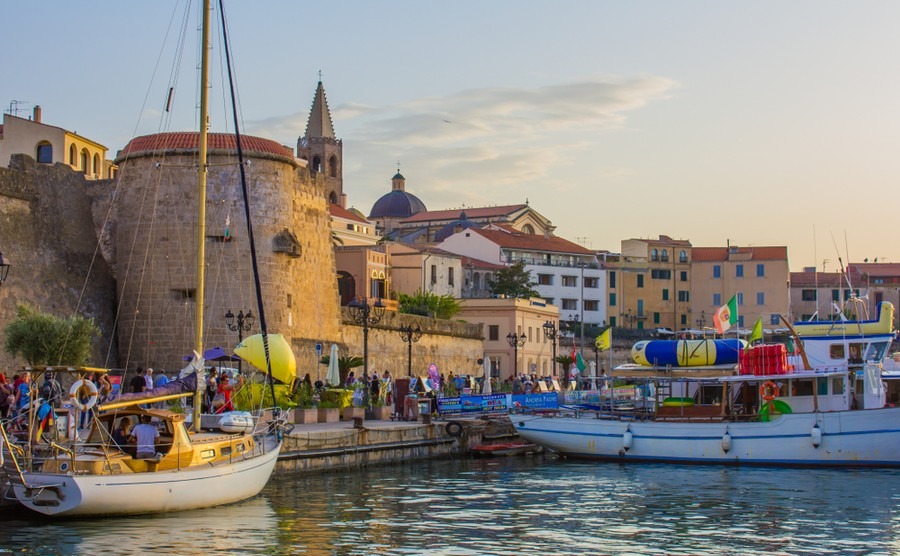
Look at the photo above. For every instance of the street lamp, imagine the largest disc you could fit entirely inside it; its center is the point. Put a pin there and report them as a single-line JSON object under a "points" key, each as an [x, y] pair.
{"points": [[630, 319], [410, 336], [701, 322], [366, 315], [4, 268], [244, 323], [515, 342], [550, 333]]}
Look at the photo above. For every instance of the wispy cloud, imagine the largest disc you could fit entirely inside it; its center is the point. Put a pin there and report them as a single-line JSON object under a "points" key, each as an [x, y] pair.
{"points": [[457, 149]]}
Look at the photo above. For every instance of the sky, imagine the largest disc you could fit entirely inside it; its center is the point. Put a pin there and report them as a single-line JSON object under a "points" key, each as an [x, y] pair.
{"points": [[754, 123]]}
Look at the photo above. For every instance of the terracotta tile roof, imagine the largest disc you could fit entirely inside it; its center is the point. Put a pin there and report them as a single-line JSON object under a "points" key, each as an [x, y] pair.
{"points": [[532, 242], [471, 213], [811, 279], [340, 212], [189, 140], [711, 254], [881, 270], [478, 264]]}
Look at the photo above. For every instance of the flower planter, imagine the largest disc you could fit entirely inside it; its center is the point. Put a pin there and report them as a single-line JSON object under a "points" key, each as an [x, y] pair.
{"points": [[351, 412], [329, 415], [379, 413], [306, 416]]}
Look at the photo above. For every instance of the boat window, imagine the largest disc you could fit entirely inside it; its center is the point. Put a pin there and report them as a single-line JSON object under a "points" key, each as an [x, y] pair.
{"points": [[802, 387], [226, 450], [710, 394], [822, 386], [856, 351], [876, 351], [836, 351], [208, 454], [837, 385]]}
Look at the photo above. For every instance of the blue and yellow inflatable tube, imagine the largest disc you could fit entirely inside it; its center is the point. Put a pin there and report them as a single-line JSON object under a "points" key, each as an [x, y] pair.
{"points": [[687, 353]]}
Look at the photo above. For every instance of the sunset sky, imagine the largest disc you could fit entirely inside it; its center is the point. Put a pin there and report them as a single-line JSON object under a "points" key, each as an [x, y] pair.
{"points": [[762, 123]]}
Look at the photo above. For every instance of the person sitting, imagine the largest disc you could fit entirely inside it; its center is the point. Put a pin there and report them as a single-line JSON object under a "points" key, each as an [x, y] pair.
{"points": [[145, 436], [122, 434]]}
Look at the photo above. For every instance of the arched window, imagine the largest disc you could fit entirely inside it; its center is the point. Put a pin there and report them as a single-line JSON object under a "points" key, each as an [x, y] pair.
{"points": [[528, 229], [654, 255], [665, 255], [332, 198], [73, 156], [333, 166], [85, 158], [317, 164], [44, 153], [682, 257], [476, 281], [96, 169]]}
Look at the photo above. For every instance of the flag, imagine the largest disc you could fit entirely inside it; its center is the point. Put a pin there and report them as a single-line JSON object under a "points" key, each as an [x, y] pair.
{"points": [[726, 316], [579, 362], [604, 340], [756, 333]]}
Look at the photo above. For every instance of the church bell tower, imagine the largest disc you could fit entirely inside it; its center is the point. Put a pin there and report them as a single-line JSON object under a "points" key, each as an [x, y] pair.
{"points": [[322, 151]]}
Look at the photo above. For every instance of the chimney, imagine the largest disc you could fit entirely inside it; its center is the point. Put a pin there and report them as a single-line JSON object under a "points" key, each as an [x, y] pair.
{"points": [[37, 114], [343, 200]]}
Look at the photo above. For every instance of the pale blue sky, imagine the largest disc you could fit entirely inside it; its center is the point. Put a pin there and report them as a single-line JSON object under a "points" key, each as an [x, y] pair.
{"points": [[765, 122]]}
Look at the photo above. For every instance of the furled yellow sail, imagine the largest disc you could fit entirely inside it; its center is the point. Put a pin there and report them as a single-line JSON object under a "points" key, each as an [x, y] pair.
{"points": [[284, 365]]}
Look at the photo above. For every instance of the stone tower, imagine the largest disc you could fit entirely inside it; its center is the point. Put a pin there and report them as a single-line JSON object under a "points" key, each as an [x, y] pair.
{"points": [[323, 152]]}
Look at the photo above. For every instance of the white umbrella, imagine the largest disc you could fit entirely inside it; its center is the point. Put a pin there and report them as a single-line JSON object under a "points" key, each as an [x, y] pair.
{"points": [[486, 387], [333, 378]]}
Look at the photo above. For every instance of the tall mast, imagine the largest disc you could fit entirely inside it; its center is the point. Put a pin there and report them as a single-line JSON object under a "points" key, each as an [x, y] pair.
{"points": [[201, 199]]}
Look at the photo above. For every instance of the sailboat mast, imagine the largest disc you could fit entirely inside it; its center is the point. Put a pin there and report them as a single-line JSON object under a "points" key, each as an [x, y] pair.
{"points": [[201, 198]]}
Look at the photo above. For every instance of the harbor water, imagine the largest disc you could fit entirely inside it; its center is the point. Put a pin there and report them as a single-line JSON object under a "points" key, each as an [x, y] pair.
{"points": [[519, 505]]}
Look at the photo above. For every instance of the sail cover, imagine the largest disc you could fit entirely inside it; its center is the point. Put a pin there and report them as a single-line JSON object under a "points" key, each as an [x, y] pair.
{"points": [[184, 385]]}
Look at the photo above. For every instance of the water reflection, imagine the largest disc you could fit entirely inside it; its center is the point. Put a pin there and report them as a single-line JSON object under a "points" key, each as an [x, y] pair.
{"points": [[519, 506]]}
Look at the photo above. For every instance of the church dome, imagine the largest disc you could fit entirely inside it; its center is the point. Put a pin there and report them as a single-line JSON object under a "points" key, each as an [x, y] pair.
{"points": [[397, 204]]}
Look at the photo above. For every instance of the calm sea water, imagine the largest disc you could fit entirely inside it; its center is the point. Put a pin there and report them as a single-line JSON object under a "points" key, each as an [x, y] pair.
{"points": [[531, 505]]}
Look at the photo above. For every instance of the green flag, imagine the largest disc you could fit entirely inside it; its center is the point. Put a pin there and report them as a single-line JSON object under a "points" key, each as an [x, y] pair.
{"points": [[579, 362], [757, 333]]}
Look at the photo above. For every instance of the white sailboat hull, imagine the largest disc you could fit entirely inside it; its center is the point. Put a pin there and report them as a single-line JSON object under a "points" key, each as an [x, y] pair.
{"points": [[142, 493], [848, 438]]}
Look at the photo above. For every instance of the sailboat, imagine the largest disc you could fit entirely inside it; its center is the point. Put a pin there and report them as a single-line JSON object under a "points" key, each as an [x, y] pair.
{"points": [[94, 475]]}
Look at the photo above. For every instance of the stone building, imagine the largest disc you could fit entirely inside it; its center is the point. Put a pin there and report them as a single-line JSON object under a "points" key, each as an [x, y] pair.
{"points": [[322, 150]]}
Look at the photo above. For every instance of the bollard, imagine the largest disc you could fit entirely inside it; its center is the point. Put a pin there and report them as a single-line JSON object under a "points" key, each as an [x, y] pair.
{"points": [[357, 422]]}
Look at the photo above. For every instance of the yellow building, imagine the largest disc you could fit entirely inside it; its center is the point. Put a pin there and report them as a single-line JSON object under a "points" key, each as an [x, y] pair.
{"points": [[758, 276], [50, 145]]}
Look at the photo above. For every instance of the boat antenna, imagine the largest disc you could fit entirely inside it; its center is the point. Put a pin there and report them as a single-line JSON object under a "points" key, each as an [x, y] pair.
{"points": [[245, 193]]}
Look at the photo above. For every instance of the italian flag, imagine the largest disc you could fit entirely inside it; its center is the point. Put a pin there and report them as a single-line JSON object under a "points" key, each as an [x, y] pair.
{"points": [[726, 316]]}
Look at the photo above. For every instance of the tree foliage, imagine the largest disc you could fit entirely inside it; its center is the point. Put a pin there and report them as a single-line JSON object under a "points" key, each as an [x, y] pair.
{"points": [[429, 304], [513, 281], [43, 339]]}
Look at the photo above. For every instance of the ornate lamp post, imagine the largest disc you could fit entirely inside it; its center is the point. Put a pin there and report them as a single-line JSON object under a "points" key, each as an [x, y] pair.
{"points": [[410, 336], [701, 322], [242, 324], [550, 333], [4, 268], [366, 315], [515, 342]]}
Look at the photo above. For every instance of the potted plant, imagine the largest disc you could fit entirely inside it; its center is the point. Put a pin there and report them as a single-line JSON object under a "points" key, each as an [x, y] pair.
{"points": [[305, 411], [357, 400], [332, 401], [328, 412], [380, 411]]}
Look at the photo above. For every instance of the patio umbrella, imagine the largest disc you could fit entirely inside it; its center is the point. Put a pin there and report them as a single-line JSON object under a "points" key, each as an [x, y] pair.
{"points": [[486, 388], [333, 378]]}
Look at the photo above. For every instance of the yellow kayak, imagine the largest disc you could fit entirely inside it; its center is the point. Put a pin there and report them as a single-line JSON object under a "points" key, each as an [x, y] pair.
{"points": [[284, 365]]}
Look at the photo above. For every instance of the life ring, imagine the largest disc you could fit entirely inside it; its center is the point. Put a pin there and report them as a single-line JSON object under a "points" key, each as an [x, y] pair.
{"points": [[75, 394], [454, 429], [768, 390]]}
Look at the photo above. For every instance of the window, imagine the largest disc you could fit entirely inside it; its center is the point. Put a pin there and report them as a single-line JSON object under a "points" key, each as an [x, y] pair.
{"points": [[835, 295], [612, 321], [682, 256], [570, 281], [760, 298], [640, 280], [434, 274], [570, 304], [591, 305], [760, 270], [683, 320], [836, 351], [96, 168], [654, 255], [683, 276], [333, 166], [450, 277], [612, 279], [84, 161], [774, 319], [717, 271], [549, 300], [739, 271], [73, 154], [493, 332], [655, 318], [592, 282], [640, 307], [717, 299], [45, 153], [545, 279], [612, 299], [740, 298], [665, 255], [684, 296], [741, 321], [808, 295], [665, 294], [660, 274]]}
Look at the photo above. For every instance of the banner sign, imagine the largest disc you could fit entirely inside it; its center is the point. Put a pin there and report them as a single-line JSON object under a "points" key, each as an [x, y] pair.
{"points": [[494, 403], [545, 400]]}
